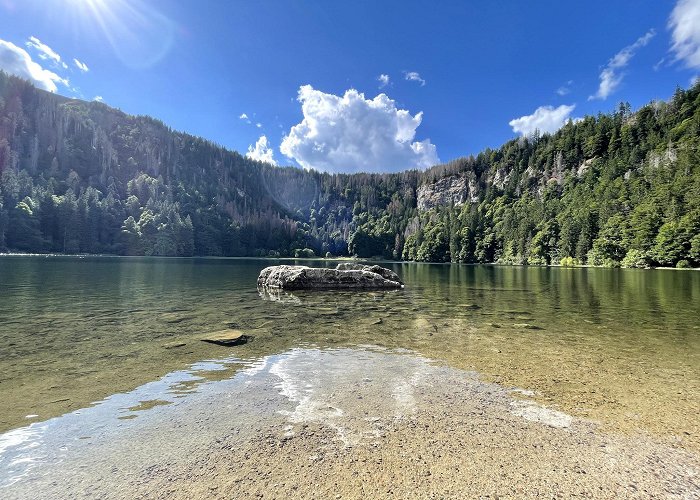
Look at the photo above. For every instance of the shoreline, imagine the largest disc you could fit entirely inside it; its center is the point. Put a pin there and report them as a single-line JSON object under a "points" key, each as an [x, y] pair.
{"points": [[339, 259]]}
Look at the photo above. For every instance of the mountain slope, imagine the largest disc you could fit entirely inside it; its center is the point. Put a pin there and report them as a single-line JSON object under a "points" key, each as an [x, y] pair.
{"points": [[82, 177]]}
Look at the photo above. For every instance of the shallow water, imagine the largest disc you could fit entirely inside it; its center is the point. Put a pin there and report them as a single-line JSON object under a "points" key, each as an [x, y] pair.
{"points": [[618, 347], [217, 421], [299, 385]]}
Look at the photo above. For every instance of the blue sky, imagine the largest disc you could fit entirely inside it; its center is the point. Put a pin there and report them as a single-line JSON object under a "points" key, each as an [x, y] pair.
{"points": [[459, 76]]}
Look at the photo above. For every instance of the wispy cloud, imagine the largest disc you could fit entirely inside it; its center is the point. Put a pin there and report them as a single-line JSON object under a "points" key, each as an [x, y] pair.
{"points": [[45, 52], [414, 76], [17, 61], [545, 119], [81, 66], [384, 80], [611, 76], [98, 98], [244, 117], [661, 62], [684, 23], [565, 89]]}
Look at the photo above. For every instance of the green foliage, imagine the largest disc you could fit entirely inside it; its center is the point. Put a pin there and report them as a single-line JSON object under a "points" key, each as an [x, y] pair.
{"points": [[669, 247], [611, 263], [543, 244], [636, 258], [569, 262], [609, 246], [304, 253], [694, 252], [616, 189]]}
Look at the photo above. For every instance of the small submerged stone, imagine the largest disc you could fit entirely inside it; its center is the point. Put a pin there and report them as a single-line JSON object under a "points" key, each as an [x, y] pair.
{"points": [[471, 307], [526, 326], [174, 345], [227, 337]]}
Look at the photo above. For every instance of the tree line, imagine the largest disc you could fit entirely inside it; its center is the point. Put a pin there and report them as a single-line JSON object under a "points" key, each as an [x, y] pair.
{"points": [[615, 189]]}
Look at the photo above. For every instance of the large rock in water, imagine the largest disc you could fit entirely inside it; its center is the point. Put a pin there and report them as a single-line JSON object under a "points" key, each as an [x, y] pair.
{"points": [[381, 271], [342, 277]]}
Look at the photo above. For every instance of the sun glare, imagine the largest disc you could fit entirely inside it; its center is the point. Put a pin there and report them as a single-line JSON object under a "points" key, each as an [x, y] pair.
{"points": [[138, 34]]}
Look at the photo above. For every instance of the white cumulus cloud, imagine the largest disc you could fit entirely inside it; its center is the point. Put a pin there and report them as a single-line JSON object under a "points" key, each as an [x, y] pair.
{"points": [[98, 98], [414, 76], [17, 61], [611, 76], [261, 151], [684, 23], [545, 119], [81, 66], [383, 80], [352, 134]]}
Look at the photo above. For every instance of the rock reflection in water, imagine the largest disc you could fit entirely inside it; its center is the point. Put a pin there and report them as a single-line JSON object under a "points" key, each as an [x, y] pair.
{"points": [[278, 295]]}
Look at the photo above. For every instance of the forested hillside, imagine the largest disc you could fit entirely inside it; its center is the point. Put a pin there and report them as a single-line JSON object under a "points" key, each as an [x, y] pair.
{"points": [[617, 189]]}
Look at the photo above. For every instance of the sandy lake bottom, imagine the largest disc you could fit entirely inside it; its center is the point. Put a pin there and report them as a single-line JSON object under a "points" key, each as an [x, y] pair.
{"points": [[338, 423]]}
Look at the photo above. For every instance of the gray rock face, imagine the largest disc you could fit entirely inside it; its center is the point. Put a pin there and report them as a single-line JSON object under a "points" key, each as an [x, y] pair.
{"points": [[302, 277], [452, 190]]}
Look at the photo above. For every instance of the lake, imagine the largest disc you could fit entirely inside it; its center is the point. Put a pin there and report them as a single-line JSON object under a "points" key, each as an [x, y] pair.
{"points": [[102, 350]]}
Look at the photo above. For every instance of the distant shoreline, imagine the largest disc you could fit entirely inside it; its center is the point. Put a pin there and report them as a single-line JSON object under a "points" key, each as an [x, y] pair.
{"points": [[336, 259]]}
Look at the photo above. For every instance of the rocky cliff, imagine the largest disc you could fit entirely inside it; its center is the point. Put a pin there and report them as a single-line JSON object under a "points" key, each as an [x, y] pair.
{"points": [[454, 190]]}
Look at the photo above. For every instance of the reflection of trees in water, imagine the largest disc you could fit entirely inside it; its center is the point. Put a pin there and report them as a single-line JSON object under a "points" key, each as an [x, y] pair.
{"points": [[591, 301], [658, 299]]}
